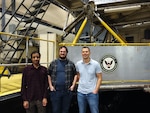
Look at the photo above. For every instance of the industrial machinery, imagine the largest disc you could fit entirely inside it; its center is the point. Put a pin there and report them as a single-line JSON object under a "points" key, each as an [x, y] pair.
{"points": [[118, 33], [118, 54]]}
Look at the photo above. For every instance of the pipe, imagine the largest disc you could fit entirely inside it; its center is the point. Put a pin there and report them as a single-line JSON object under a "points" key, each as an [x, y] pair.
{"points": [[123, 86], [3, 12], [27, 49]]}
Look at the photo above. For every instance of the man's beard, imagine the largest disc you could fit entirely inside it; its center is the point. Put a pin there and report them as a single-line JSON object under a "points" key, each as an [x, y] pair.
{"points": [[62, 57]]}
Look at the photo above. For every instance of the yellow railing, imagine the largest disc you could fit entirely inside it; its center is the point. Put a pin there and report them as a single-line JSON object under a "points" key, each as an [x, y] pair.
{"points": [[105, 44], [27, 37]]}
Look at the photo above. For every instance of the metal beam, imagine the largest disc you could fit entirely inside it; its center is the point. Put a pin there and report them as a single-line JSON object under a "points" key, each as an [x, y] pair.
{"points": [[80, 31], [110, 30]]}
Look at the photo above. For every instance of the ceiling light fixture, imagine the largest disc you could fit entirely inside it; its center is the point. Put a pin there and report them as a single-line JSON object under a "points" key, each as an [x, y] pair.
{"points": [[122, 9]]}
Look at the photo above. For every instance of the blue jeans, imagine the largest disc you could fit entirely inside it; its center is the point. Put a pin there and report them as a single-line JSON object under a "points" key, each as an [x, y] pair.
{"points": [[91, 99], [60, 101]]}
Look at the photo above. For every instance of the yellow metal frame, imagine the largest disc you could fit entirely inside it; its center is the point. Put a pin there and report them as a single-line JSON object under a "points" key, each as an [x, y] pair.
{"points": [[80, 31], [122, 42], [6, 72], [110, 30]]}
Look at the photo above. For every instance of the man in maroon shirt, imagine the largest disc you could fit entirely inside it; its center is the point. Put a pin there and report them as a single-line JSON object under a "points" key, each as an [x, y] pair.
{"points": [[34, 86]]}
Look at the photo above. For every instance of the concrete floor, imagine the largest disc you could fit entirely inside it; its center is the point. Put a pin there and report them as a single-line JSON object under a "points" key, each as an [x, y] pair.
{"points": [[110, 102]]}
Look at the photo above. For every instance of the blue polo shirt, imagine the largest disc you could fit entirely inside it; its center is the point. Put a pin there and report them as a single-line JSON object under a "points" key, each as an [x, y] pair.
{"points": [[88, 78]]}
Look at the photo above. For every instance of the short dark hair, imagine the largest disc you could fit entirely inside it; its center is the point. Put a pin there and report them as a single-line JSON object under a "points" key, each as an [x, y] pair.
{"points": [[86, 47], [35, 52], [64, 47]]}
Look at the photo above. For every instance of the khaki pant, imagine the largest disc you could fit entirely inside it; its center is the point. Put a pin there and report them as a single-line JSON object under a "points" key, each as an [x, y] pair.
{"points": [[36, 107]]}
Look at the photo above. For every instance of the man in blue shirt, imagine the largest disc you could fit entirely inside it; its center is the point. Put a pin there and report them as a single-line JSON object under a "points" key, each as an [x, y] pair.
{"points": [[90, 76], [62, 80]]}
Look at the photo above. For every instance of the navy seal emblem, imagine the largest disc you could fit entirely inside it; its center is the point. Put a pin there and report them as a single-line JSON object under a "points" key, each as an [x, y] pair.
{"points": [[108, 63]]}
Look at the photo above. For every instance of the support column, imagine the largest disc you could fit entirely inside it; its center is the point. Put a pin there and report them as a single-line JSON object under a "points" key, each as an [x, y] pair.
{"points": [[3, 11]]}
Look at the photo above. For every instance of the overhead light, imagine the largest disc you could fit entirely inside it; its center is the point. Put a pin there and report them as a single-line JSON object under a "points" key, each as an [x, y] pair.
{"points": [[122, 9], [98, 2]]}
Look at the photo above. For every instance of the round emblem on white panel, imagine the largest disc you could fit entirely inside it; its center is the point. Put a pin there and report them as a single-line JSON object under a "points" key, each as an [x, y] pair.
{"points": [[108, 63]]}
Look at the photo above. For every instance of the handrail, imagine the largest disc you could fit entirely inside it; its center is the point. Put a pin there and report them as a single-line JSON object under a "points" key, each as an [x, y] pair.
{"points": [[22, 36], [20, 64], [105, 44]]}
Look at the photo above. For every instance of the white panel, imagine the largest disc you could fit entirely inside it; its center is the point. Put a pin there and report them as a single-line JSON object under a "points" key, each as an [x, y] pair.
{"points": [[47, 49]]}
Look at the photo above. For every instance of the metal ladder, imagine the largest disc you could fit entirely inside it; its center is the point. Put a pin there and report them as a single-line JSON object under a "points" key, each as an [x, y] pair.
{"points": [[26, 26]]}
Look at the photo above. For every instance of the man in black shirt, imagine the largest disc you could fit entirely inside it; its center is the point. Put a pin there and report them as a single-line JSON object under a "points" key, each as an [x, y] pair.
{"points": [[34, 86]]}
